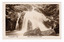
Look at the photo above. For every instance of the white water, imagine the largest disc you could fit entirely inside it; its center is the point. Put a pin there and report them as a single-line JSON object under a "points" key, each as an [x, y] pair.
{"points": [[19, 14], [36, 19]]}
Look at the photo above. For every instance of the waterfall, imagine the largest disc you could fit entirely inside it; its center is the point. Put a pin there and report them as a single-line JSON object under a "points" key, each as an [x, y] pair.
{"points": [[36, 19], [19, 14]]}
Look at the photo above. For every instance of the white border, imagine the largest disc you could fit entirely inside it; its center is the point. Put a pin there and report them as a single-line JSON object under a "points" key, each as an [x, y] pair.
{"points": [[43, 37]]}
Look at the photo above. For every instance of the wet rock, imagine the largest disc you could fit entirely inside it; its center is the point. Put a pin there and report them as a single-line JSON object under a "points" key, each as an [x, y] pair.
{"points": [[35, 32]]}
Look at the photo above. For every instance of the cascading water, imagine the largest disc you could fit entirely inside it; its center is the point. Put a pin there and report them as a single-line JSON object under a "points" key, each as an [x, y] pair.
{"points": [[36, 19], [19, 14]]}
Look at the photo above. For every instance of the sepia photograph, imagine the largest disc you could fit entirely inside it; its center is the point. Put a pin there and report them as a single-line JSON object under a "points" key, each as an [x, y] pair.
{"points": [[31, 20]]}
